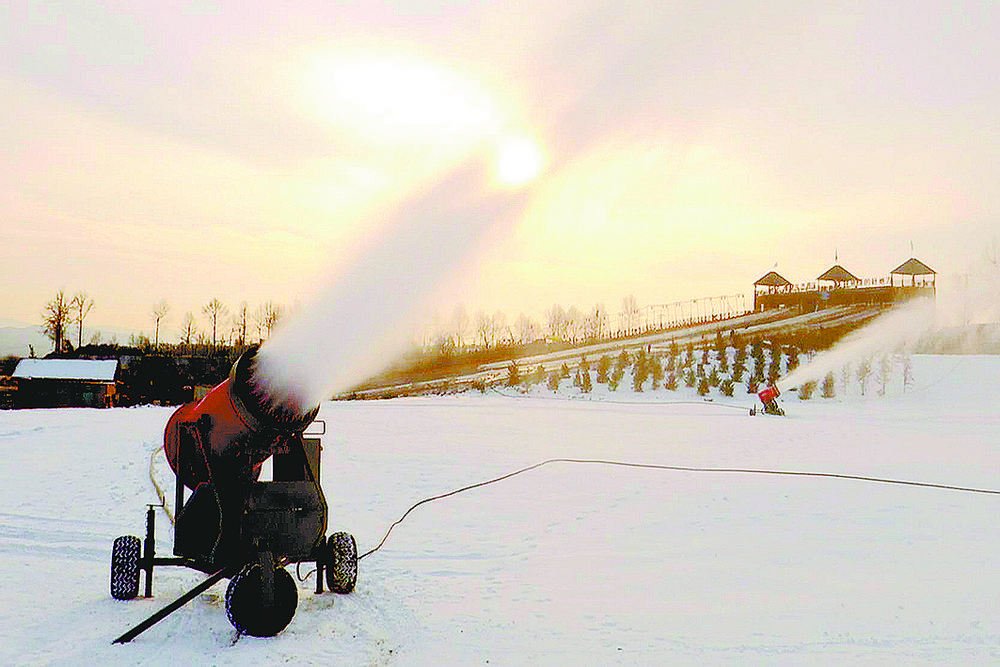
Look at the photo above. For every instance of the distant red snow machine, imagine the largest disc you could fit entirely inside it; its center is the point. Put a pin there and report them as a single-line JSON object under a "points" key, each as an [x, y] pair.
{"points": [[769, 398]]}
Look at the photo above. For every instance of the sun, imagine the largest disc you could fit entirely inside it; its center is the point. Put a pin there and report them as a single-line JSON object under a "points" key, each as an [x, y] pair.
{"points": [[518, 162]]}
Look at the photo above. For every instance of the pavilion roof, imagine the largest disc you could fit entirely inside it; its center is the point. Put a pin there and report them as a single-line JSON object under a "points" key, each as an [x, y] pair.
{"points": [[914, 267], [772, 279], [839, 274]]}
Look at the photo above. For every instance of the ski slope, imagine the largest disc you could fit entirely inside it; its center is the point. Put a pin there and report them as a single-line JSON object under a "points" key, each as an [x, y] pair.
{"points": [[566, 564]]}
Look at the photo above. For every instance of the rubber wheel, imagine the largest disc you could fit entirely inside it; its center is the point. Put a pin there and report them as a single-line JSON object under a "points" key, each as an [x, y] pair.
{"points": [[341, 563], [245, 604], [125, 567]]}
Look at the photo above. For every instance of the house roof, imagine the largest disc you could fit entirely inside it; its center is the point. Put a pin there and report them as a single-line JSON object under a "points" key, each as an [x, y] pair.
{"points": [[914, 267], [838, 274], [101, 370], [772, 279]]}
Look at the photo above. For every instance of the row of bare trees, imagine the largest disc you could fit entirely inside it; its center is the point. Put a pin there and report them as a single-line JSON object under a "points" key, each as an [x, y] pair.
{"points": [[486, 331], [243, 323], [62, 313]]}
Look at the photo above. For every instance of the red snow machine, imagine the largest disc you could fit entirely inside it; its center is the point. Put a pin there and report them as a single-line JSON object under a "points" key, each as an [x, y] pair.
{"points": [[769, 398], [233, 526]]}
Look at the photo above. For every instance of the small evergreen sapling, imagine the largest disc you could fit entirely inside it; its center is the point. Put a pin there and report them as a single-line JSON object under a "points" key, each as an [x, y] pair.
{"points": [[793, 358], [513, 375], [806, 390], [616, 377], [554, 380], [738, 371], [774, 370], [603, 366], [656, 371], [726, 387], [639, 374], [703, 387]]}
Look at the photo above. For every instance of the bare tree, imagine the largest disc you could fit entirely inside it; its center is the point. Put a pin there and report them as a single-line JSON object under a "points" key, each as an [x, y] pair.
{"points": [[213, 310], [498, 328], [160, 312], [907, 370], [55, 317], [525, 329], [266, 317], [631, 315], [555, 319], [884, 372], [240, 324], [189, 328], [596, 324], [845, 375], [460, 325], [80, 305], [574, 324], [484, 329], [863, 373]]}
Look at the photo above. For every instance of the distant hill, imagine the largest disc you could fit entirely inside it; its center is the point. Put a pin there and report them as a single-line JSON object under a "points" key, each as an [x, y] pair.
{"points": [[15, 341], [16, 338]]}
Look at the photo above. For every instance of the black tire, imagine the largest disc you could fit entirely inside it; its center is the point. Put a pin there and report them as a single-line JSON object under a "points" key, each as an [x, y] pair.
{"points": [[341, 563], [125, 567], [245, 605]]}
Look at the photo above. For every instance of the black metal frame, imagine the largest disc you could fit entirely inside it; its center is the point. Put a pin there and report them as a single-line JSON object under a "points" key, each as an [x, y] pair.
{"points": [[288, 467]]}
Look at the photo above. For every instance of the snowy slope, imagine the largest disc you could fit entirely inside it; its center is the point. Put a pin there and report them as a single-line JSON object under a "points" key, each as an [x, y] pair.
{"points": [[567, 564]]}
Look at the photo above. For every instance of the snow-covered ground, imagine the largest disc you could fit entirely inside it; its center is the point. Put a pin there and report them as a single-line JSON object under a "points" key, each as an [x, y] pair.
{"points": [[566, 564]]}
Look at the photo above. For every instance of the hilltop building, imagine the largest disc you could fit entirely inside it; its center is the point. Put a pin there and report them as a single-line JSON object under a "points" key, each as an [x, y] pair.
{"points": [[838, 287]]}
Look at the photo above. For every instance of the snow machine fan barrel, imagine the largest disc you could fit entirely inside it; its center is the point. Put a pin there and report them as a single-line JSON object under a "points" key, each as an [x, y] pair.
{"points": [[225, 436]]}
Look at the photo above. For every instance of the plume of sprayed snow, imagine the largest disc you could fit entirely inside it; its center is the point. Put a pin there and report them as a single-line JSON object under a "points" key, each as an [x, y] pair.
{"points": [[899, 329], [359, 320]]}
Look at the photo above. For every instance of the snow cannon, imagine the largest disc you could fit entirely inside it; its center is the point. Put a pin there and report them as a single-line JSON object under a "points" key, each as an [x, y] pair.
{"points": [[769, 399], [234, 525], [226, 436]]}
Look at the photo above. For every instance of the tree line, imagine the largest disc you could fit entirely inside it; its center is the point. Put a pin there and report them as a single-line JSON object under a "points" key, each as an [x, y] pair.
{"points": [[485, 331], [63, 316]]}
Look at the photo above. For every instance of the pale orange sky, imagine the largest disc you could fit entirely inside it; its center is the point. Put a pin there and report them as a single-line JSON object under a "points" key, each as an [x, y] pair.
{"points": [[152, 152]]}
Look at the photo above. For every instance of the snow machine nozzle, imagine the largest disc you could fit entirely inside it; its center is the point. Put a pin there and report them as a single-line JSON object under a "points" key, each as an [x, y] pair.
{"points": [[769, 398], [238, 426]]}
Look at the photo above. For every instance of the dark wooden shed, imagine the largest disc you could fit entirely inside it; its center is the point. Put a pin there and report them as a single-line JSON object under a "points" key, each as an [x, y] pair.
{"points": [[62, 383]]}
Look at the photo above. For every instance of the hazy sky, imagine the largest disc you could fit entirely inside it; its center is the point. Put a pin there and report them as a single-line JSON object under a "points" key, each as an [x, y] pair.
{"points": [[186, 151]]}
